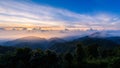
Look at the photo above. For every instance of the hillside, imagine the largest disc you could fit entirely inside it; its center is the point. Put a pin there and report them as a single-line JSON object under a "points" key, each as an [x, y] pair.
{"points": [[5, 49], [33, 42], [61, 45], [105, 43]]}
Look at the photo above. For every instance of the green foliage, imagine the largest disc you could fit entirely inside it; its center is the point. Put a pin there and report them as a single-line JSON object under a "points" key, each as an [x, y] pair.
{"points": [[80, 54], [68, 58], [92, 56], [93, 50]]}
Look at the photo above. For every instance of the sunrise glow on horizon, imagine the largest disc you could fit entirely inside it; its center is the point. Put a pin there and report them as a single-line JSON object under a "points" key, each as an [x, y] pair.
{"points": [[30, 13]]}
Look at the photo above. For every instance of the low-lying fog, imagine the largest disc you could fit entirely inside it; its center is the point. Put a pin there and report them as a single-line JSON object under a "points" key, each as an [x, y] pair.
{"points": [[6, 35], [10, 35]]}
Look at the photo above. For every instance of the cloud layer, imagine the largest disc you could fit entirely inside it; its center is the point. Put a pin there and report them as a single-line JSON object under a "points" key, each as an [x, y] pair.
{"points": [[13, 12]]}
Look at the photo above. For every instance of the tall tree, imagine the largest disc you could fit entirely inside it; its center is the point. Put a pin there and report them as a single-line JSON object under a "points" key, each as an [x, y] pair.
{"points": [[51, 59], [23, 56], [37, 59], [80, 54], [93, 50], [69, 58]]}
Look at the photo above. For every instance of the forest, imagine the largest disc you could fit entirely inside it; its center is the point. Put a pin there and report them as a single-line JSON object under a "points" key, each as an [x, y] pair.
{"points": [[92, 56]]}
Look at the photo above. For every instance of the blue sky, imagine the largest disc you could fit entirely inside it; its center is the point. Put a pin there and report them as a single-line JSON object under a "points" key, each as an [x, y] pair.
{"points": [[84, 6], [97, 14]]}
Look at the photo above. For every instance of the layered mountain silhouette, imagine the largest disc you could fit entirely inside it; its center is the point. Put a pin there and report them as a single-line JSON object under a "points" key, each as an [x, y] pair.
{"points": [[105, 43], [33, 42], [103, 40], [61, 45]]}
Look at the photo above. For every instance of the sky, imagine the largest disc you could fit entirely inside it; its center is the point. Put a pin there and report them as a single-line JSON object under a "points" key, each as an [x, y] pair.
{"points": [[96, 14]]}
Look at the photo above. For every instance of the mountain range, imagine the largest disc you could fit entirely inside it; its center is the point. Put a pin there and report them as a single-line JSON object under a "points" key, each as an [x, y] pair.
{"points": [[61, 45], [33, 42]]}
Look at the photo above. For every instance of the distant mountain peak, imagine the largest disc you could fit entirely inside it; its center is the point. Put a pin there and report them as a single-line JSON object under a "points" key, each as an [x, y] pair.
{"points": [[31, 38], [98, 35]]}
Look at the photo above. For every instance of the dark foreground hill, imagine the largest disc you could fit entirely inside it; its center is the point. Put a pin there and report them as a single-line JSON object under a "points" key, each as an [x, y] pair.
{"points": [[5, 49], [90, 57]]}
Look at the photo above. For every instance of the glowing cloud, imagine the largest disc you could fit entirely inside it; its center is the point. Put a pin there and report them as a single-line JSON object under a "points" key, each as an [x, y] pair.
{"points": [[27, 13]]}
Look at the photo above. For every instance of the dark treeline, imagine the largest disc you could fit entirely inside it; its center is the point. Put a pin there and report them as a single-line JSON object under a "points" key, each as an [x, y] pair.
{"points": [[91, 56]]}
